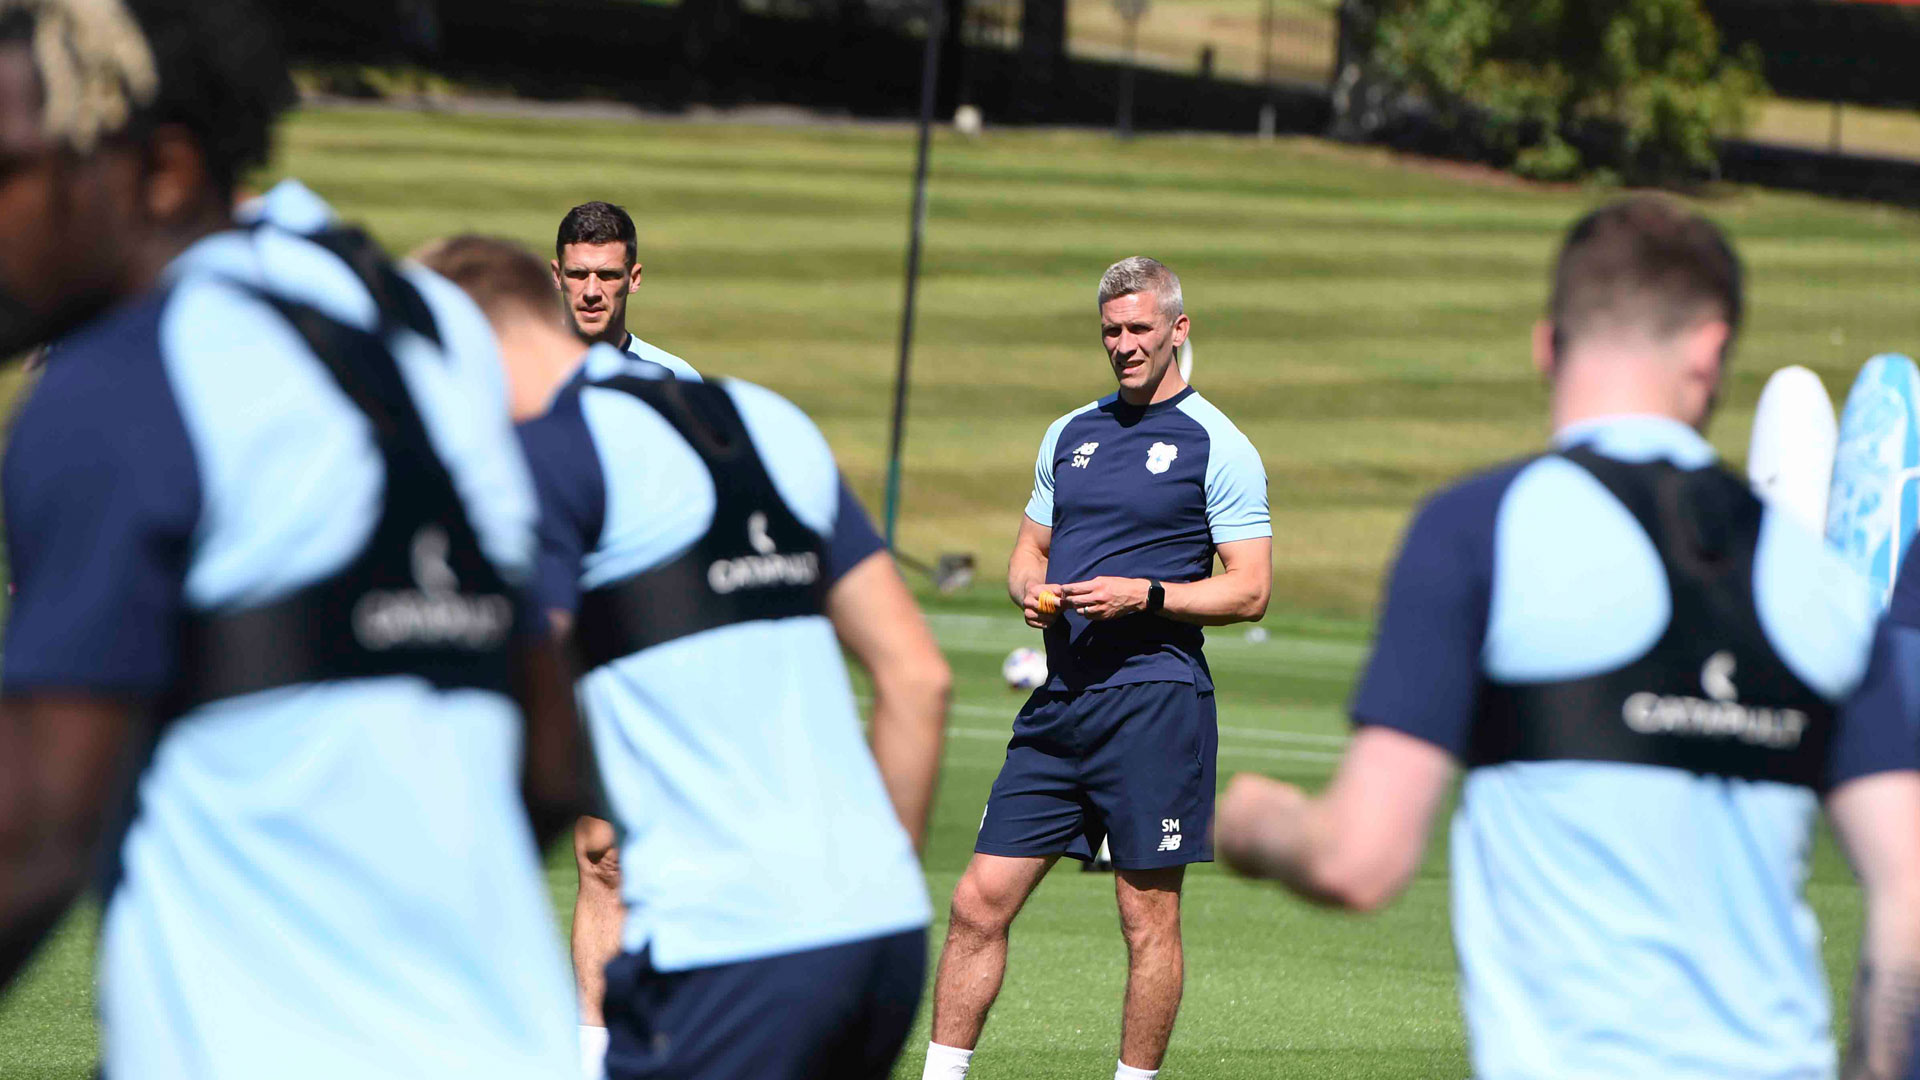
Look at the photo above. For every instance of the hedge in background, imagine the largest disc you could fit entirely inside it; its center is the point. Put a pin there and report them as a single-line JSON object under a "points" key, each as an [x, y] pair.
{"points": [[1635, 90]]}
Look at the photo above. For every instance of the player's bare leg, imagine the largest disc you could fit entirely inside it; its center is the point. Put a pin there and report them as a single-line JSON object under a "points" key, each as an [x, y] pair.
{"points": [[974, 959], [597, 914], [1156, 968]]}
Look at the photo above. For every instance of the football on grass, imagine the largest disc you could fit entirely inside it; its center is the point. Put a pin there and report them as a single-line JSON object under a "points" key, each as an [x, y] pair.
{"points": [[1024, 669]]}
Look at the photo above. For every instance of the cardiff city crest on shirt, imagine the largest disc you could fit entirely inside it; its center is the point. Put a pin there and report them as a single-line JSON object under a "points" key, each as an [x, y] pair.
{"points": [[1160, 456]]}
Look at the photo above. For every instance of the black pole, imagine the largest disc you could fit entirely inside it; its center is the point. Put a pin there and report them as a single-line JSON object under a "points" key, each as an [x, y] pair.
{"points": [[1123, 125], [929, 84]]}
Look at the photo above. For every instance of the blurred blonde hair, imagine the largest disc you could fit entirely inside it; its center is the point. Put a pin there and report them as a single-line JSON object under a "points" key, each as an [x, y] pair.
{"points": [[95, 66]]}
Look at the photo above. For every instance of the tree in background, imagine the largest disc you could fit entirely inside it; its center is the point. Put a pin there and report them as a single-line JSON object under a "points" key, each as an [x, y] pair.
{"points": [[1636, 90]]}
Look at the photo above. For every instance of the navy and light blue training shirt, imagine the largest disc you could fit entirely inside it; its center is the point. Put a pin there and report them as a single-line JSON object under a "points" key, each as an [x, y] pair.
{"points": [[1617, 919], [655, 354], [324, 880], [1141, 491], [753, 819]]}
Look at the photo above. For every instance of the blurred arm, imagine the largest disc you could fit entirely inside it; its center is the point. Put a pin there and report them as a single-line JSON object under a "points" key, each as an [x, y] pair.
{"points": [[1356, 844], [878, 622], [553, 765], [1877, 819], [62, 760]]}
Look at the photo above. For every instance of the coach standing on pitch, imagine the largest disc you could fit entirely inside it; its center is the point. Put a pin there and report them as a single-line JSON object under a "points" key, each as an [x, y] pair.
{"points": [[1133, 496], [1642, 667]]}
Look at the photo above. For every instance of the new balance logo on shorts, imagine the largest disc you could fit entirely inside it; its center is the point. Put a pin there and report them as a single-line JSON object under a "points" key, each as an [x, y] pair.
{"points": [[1170, 827]]}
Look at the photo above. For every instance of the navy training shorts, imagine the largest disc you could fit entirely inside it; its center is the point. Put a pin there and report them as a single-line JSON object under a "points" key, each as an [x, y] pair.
{"points": [[843, 1011], [1131, 764]]}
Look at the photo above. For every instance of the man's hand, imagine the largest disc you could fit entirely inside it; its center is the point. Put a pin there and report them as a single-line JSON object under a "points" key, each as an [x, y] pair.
{"points": [[1252, 806], [1106, 597], [1356, 844], [1041, 605]]}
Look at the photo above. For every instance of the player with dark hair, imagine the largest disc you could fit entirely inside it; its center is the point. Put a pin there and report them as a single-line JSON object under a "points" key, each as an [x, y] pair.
{"points": [[1642, 668], [268, 533], [503, 279], [711, 562], [596, 267]]}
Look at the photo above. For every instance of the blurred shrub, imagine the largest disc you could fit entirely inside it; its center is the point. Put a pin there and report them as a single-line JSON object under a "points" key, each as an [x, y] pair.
{"points": [[1634, 90]]}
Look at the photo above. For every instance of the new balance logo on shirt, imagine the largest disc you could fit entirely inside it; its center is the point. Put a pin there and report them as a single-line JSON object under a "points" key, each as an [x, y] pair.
{"points": [[1084, 453]]}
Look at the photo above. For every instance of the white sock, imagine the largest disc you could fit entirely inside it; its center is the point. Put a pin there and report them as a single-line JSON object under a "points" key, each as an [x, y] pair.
{"points": [[946, 1063], [1124, 1071], [593, 1052]]}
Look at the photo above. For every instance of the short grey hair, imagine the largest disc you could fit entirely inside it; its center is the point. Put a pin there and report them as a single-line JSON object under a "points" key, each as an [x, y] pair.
{"points": [[1140, 274]]}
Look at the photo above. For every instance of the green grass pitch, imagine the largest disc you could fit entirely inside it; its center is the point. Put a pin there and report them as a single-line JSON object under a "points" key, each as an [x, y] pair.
{"points": [[1363, 319]]}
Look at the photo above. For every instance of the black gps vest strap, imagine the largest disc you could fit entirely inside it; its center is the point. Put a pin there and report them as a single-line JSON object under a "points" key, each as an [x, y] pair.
{"points": [[756, 561], [398, 301], [420, 599], [1711, 696]]}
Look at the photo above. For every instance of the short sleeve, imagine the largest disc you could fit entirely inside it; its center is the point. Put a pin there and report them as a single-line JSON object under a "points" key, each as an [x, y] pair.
{"points": [[1424, 676], [1040, 503], [1879, 726], [571, 490], [101, 497], [854, 539], [1236, 492], [675, 367]]}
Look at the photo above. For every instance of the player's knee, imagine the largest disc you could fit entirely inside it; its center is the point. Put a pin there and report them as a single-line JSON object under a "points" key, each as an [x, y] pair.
{"points": [[601, 868], [596, 851], [1148, 926], [980, 911], [1151, 935]]}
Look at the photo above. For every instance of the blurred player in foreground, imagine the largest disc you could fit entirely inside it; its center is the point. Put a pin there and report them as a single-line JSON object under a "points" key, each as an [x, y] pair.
{"points": [[596, 267], [700, 542], [1642, 668], [268, 531], [1133, 496]]}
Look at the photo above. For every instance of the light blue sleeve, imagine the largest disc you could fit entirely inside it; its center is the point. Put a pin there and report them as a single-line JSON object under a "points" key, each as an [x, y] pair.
{"points": [[290, 205], [464, 400], [646, 351], [1040, 503], [796, 454], [1236, 479], [1816, 609], [659, 496]]}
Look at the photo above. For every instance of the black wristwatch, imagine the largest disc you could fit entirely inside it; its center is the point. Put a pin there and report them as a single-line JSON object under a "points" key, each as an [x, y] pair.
{"points": [[1156, 596]]}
